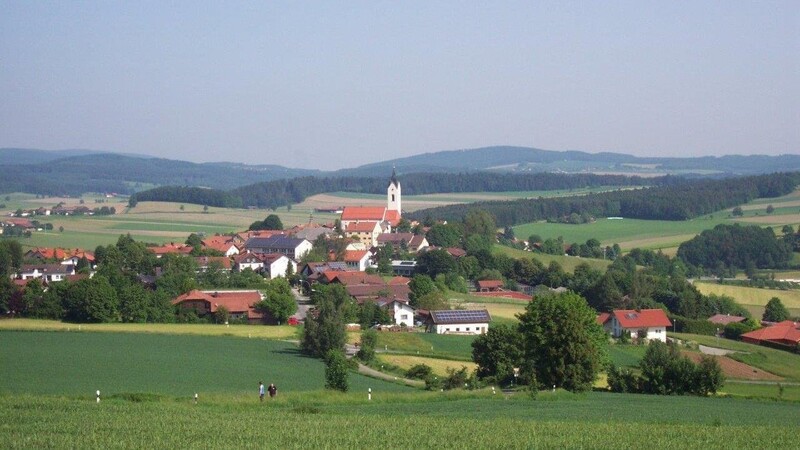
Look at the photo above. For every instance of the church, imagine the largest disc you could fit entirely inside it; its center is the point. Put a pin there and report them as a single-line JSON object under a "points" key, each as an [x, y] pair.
{"points": [[366, 223]]}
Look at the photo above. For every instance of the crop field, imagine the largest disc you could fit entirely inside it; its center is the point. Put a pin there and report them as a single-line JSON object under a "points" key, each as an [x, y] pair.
{"points": [[438, 420], [664, 234], [754, 299], [77, 363]]}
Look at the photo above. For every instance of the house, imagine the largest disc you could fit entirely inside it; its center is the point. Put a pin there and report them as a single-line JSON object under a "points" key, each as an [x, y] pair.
{"points": [[357, 259], [293, 248], [645, 324], [276, 265], [238, 303], [784, 334], [458, 321], [47, 272], [361, 292], [364, 232], [412, 242], [251, 261], [402, 313], [311, 231], [724, 319], [223, 244], [313, 268], [489, 285], [404, 268], [351, 277], [65, 256]]}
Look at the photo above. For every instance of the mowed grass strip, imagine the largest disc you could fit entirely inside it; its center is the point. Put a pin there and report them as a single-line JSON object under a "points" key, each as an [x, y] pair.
{"points": [[430, 421], [438, 365], [77, 363]]}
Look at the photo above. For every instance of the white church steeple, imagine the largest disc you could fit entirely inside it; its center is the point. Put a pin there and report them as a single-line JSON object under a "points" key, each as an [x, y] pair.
{"points": [[393, 201]]}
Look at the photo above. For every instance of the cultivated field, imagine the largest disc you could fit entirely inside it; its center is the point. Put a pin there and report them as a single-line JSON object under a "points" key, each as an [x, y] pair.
{"points": [[754, 299]]}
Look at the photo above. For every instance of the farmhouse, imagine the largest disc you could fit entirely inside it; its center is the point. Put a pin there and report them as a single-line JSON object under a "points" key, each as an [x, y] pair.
{"points": [[238, 303], [47, 272], [248, 261], [402, 313], [489, 285], [458, 321], [291, 247], [645, 324], [786, 334]]}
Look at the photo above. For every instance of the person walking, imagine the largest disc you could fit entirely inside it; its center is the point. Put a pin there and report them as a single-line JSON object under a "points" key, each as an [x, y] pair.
{"points": [[273, 391], [261, 391]]}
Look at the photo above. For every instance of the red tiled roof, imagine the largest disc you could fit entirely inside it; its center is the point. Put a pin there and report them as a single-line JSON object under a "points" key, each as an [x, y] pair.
{"points": [[456, 252], [630, 318], [220, 243], [234, 301], [171, 248], [204, 261], [785, 332], [238, 259], [602, 318], [360, 227], [354, 255], [399, 281], [488, 284], [373, 290], [375, 213], [348, 278], [392, 216]]}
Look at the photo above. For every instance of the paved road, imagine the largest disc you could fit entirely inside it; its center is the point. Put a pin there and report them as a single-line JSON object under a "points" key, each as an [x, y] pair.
{"points": [[368, 371], [715, 351], [303, 305]]}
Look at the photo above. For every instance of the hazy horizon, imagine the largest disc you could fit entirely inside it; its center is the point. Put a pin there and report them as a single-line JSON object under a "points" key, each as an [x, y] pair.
{"points": [[342, 84]]}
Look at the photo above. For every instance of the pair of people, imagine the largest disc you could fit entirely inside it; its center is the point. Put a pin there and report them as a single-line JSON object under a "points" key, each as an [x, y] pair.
{"points": [[273, 391]]}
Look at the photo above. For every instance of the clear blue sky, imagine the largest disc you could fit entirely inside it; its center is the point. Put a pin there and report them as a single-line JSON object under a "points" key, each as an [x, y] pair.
{"points": [[339, 84]]}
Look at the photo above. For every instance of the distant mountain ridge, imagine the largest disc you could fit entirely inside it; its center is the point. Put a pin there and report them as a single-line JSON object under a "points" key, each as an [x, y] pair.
{"points": [[76, 171]]}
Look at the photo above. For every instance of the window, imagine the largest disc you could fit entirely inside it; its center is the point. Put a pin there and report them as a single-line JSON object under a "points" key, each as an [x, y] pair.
{"points": [[458, 329], [467, 328], [404, 317]]}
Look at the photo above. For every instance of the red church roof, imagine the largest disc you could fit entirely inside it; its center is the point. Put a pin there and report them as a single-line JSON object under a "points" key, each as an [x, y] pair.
{"points": [[374, 213]]}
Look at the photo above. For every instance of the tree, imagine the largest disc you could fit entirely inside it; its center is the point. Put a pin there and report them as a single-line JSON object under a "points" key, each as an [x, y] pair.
{"points": [[420, 286], [91, 300], [497, 353], [774, 311], [770, 209], [737, 211], [444, 235], [278, 300], [366, 351], [434, 262], [563, 344], [336, 371], [324, 329], [480, 222], [709, 377], [271, 222], [432, 301]]}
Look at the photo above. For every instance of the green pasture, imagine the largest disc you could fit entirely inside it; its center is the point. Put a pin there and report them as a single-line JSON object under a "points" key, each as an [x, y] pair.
{"points": [[734, 388], [754, 299], [77, 363], [424, 420], [568, 263], [626, 355], [427, 344]]}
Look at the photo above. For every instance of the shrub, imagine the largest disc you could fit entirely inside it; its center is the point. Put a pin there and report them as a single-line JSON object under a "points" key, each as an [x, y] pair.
{"points": [[419, 371], [336, 371]]}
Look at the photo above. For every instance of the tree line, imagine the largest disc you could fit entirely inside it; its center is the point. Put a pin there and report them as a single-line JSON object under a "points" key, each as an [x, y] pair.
{"points": [[669, 201], [273, 194]]}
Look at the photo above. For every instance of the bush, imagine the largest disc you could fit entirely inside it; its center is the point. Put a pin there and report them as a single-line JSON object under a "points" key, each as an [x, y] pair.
{"points": [[336, 371], [419, 371], [694, 326], [622, 380], [736, 330], [456, 378], [366, 352]]}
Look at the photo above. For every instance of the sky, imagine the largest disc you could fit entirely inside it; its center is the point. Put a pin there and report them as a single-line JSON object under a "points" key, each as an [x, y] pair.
{"points": [[330, 84]]}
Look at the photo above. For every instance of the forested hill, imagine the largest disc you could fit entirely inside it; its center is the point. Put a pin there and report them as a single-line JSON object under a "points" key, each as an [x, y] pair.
{"points": [[118, 173], [281, 192], [677, 201], [524, 159]]}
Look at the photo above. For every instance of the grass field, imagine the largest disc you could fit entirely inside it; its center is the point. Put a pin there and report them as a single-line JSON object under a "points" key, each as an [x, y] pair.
{"points": [[425, 420], [438, 365], [754, 299], [76, 363], [428, 344], [568, 263]]}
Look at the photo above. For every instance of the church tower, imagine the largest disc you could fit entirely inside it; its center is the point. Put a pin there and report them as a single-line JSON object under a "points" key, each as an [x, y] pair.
{"points": [[393, 194]]}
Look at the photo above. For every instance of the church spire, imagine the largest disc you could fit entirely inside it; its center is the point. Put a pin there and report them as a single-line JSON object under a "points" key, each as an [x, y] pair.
{"points": [[394, 177]]}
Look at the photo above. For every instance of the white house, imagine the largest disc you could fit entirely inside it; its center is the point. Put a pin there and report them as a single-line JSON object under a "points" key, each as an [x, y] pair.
{"points": [[357, 259], [401, 311], [404, 268], [459, 321], [645, 324], [48, 272], [275, 265], [248, 261], [291, 247]]}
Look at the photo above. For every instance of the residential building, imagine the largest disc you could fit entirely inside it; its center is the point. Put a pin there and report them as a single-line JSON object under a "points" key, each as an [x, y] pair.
{"points": [[47, 272], [785, 334], [410, 241], [404, 268], [276, 265], [238, 303], [364, 232], [293, 248], [357, 259], [647, 324], [458, 321]]}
